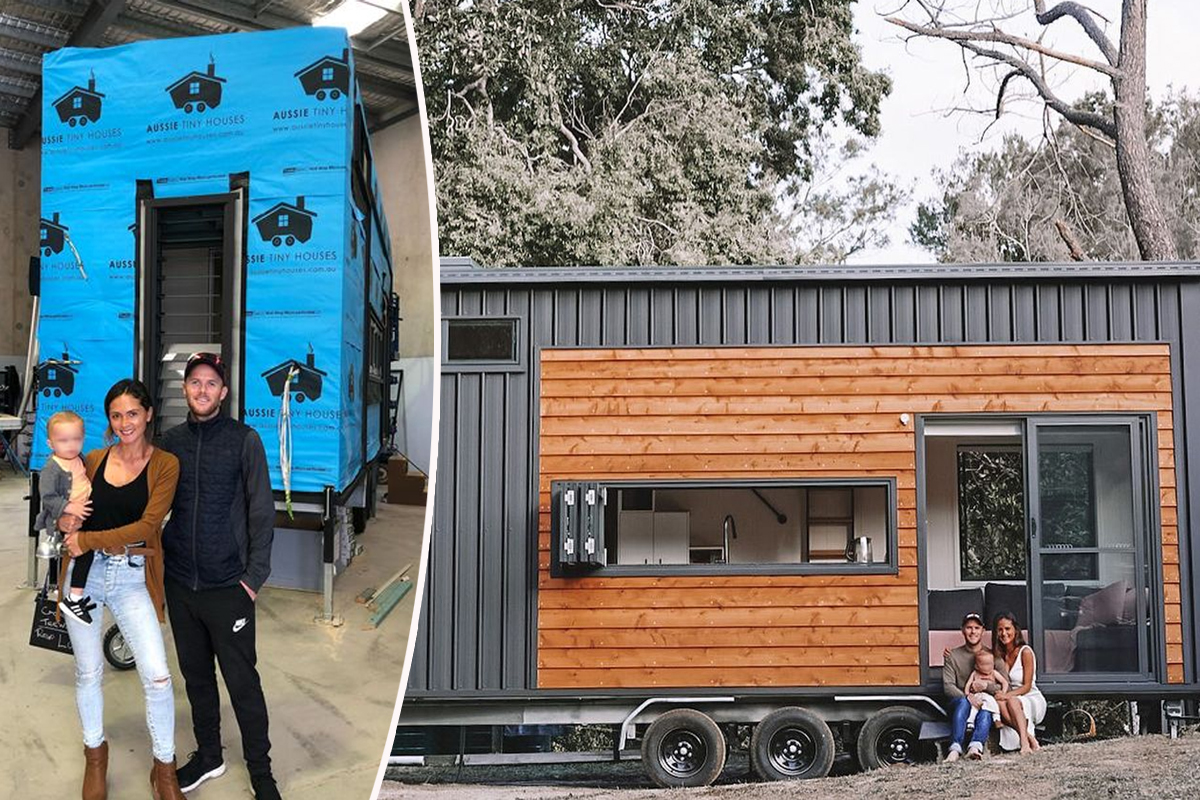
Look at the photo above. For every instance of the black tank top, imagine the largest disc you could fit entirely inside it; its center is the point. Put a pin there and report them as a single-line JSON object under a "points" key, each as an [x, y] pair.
{"points": [[117, 506]]}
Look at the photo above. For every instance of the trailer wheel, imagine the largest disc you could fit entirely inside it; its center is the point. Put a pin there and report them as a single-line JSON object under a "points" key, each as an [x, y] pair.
{"points": [[891, 736], [45, 392], [792, 743], [58, 392], [83, 121], [334, 94], [73, 121], [320, 94], [47, 252], [683, 747], [299, 397], [117, 651], [200, 107], [291, 240], [187, 108], [276, 240]]}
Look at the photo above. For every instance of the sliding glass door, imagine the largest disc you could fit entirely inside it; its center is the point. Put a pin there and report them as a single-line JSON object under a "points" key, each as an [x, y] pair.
{"points": [[1090, 571]]}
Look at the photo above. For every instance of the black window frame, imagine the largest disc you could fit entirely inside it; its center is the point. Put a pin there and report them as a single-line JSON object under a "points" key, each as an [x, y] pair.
{"points": [[889, 567], [516, 364]]}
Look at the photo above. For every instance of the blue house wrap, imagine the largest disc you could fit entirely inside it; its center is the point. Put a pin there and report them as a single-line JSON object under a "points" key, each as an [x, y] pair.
{"points": [[278, 117]]}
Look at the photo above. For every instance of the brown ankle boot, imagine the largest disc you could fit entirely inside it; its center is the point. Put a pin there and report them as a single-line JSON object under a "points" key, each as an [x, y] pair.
{"points": [[95, 772], [164, 785]]}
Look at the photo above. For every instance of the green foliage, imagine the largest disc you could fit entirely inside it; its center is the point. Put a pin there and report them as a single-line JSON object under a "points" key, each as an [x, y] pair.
{"points": [[647, 131], [1006, 205], [991, 507]]}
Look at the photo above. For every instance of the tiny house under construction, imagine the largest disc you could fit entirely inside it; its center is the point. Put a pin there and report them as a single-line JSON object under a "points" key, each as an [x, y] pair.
{"points": [[257, 232], [747, 490]]}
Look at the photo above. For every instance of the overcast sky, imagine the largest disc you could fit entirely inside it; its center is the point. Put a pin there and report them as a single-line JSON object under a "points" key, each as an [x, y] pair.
{"points": [[919, 136]]}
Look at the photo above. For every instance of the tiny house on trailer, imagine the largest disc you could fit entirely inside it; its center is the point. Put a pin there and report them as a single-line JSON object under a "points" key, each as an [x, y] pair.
{"points": [[683, 497], [257, 232]]}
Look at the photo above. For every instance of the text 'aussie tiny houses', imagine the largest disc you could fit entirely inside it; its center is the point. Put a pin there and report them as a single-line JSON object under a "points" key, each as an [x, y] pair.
{"points": [[198, 196], [769, 495]]}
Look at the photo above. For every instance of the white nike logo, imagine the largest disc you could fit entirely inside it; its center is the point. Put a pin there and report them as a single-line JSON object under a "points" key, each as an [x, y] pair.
{"points": [[241, 623]]}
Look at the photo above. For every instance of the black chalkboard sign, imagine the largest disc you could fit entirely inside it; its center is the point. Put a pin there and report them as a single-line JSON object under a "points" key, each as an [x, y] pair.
{"points": [[48, 632]]}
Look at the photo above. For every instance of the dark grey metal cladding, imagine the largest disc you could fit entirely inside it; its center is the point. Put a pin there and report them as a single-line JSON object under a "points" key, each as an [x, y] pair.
{"points": [[478, 622]]}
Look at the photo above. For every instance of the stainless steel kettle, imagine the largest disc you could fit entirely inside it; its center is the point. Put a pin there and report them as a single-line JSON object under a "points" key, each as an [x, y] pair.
{"points": [[858, 550]]}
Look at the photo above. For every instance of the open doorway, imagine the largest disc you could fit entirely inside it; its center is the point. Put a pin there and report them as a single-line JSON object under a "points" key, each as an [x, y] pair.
{"points": [[190, 289], [1047, 518]]}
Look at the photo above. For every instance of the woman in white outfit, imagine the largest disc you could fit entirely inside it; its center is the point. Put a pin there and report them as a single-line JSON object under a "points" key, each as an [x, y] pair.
{"points": [[1023, 707]]}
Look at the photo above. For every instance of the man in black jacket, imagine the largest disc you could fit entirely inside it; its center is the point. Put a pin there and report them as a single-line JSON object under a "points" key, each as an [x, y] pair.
{"points": [[217, 549]]}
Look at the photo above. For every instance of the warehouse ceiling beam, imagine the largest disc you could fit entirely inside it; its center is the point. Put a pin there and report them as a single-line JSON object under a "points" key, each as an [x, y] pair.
{"points": [[13, 61], [247, 20], [17, 87], [390, 116], [90, 31], [33, 33]]}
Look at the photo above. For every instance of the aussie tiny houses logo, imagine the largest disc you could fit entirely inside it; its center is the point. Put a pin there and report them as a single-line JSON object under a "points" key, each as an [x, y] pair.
{"points": [[326, 77], [53, 236], [286, 223], [198, 91], [80, 106], [56, 377], [306, 380]]}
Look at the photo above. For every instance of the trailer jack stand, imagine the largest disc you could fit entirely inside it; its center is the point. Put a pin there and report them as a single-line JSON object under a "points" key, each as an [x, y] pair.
{"points": [[329, 530]]}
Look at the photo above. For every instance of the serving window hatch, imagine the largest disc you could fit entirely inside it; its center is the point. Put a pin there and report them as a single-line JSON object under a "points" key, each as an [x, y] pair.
{"points": [[826, 526]]}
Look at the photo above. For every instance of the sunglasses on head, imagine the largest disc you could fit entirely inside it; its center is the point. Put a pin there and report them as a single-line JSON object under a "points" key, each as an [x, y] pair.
{"points": [[194, 357]]}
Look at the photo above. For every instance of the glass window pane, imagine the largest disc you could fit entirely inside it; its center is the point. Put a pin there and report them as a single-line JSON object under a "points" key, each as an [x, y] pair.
{"points": [[991, 511], [1091, 625], [481, 340]]}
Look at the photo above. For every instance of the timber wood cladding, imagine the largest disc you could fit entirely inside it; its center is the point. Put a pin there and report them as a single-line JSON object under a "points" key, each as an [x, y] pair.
{"points": [[791, 412]]}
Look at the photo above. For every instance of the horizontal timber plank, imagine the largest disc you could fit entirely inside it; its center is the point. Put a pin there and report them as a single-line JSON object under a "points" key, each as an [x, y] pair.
{"points": [[730, 462], [841, 352], [726, 657], [742, 597], [848, 386], [745, 424], [752, 676], [839, 404], [704, 637], [727, 617], [905, 577], [904, 480], [775, 442], [860, 367]]}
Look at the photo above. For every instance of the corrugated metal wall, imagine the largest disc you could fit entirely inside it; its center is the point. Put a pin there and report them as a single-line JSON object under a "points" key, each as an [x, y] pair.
{"points": [[480, 637]]}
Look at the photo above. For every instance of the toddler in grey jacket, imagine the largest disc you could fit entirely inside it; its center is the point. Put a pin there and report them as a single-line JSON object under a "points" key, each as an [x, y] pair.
{"points": [[65, 489]]}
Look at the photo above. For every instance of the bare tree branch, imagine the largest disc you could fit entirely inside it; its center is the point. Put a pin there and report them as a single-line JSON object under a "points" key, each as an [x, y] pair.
{"points": [[1082, 15], [1073, 115], [963, 36], [1069, 240]]}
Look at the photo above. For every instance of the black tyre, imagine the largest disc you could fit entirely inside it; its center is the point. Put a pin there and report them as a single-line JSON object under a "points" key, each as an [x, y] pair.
{"points": [[683, 747], [320, 94], [116, 651], [792, 744], [73, 121], [83, 120], [291, 240], [187, 108], [47, 252], [335, 94], [58, 392], [891, 736], [299, 397], [276, 240], [200, 107]]}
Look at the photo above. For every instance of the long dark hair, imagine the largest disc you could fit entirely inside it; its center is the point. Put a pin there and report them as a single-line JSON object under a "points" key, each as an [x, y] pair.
{"points": [[1018, 639], [126, 386]]}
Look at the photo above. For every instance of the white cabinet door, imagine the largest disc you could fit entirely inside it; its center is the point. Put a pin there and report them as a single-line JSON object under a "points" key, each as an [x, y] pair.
{"points": [[671, 536], [635, 544]]}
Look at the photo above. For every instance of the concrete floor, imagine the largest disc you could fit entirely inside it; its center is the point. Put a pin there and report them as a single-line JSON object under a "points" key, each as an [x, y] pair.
{"points": [[330, 691]]}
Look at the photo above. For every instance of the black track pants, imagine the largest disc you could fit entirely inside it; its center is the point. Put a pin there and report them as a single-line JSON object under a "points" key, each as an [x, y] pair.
{"points": [[216, 626]]}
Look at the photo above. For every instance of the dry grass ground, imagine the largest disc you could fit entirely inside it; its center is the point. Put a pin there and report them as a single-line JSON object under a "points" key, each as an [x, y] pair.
{"points": [[1151, 767]]}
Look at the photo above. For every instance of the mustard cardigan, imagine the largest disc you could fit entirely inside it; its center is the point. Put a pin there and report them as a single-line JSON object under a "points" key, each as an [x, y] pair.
{"points": [[161, 477]]}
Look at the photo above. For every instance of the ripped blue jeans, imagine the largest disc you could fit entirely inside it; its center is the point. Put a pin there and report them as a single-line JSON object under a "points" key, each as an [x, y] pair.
{"points": [[119, 582]]}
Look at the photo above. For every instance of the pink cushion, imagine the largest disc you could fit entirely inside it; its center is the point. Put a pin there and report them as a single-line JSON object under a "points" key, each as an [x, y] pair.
{"points": [[1104, 607]]}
